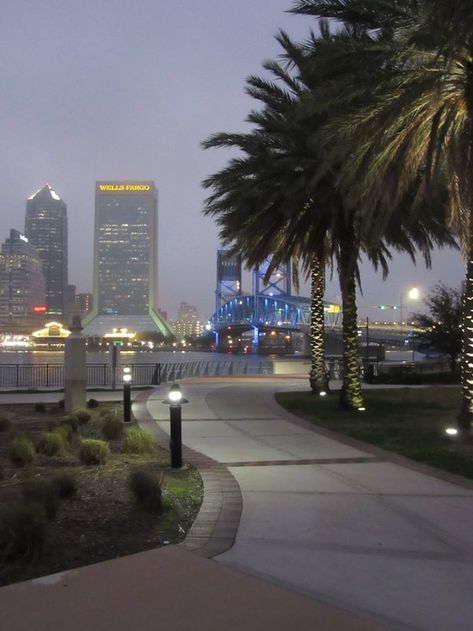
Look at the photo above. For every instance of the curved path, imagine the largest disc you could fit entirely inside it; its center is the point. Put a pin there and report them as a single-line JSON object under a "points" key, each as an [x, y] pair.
{"points": [[331, 519]]}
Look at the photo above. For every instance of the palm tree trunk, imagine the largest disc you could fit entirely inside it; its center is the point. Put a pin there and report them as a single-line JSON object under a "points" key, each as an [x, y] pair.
{"points": [[350, 397], [318, 377], [466, 414]]}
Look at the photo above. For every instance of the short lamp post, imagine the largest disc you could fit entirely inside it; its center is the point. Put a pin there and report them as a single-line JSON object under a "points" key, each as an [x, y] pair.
{"points": [[175, 401], [126, 394]]}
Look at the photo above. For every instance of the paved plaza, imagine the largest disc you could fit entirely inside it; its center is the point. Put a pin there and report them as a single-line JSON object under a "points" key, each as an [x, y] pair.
{"points": [[311, 531]]}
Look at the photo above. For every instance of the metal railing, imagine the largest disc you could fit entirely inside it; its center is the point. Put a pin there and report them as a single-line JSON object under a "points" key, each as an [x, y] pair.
{"points": [[29, 376]]}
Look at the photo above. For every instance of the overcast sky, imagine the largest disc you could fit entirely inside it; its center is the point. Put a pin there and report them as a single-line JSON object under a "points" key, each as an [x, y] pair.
{"points": [[127, 89]]}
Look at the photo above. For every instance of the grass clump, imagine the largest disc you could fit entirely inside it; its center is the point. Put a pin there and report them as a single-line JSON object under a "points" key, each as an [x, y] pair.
{"points": [[5, 424], [22, 530], [51, 443], [21, 451], [43, 493], [82, 415], [93, 451], [147, 490], [72, 420], [112, 428], [92, 403], [66, 431], [105, 412], [65, 484], [137, 441], [40, 407]]}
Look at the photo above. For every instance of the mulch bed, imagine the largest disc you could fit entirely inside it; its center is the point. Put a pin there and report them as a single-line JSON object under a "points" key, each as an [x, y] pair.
{"points": [[102, 521]]}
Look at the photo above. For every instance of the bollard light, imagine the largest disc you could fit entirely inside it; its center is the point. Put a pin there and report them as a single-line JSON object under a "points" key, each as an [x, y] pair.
{"points": [[174, 400], [126, 376]]}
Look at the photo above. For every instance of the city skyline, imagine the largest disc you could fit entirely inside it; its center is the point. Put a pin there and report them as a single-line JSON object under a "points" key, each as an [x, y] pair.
{"points": [[93, 93]]}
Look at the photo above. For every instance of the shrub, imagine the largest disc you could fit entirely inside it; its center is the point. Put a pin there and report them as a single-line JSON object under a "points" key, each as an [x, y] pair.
{"points": [[65, 484], [92, 403], [72, 420], [105, 412], [147, 490], [5, 424], [60, 404], [52, 425], [112, 428], [82, 414], [66, 431], [39, 407], [54, 409], [93, 451], [21, 451], [50, 443], [137, 441], [22, 530], [43, 493]]}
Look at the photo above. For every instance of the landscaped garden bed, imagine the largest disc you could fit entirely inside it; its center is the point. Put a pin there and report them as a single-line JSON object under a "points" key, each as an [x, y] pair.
{"points": [[407, 421], [57, 512]]}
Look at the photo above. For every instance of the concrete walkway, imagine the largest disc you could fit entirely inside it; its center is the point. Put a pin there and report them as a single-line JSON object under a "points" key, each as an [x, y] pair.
{"points": [[327, 519], [307, 532]]}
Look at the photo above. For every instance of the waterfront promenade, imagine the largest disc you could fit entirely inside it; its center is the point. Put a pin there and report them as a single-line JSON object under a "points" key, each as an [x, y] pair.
{"points": [[298, 530]]}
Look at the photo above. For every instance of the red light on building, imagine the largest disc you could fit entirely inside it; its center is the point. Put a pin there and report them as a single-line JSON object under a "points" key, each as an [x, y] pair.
{"points": [[40, 309]]}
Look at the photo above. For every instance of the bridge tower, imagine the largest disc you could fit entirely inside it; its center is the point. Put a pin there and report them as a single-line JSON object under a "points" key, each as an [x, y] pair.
{"points": [[228, 277], [278, 284]]}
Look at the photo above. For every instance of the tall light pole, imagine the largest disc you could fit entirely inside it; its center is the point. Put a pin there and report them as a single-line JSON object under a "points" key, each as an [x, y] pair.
{"points": [[412, 294]]}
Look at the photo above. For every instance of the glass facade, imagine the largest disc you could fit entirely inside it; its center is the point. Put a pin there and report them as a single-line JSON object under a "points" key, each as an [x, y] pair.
{"points": [[22, 285], [124, 248], [46, 230]]}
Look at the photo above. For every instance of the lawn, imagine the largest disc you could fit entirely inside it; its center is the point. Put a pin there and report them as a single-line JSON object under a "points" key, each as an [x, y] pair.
{"points": [[407, 421], [102, 519]]}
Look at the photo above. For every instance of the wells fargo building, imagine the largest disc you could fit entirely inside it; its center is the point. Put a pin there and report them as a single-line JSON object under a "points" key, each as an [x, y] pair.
{"points": [[125, 258]]}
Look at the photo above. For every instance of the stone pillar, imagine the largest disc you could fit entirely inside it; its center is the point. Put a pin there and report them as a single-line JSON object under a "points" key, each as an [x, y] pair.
{"points": [[75, 371]]}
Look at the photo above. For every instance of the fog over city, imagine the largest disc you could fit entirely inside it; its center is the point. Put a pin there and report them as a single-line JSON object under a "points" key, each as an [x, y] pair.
{"points": [[128, 89]]}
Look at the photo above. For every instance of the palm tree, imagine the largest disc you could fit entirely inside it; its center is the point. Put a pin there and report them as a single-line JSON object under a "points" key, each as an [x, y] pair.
{"points": [[418, 122], [262, 201], [276, 199]]}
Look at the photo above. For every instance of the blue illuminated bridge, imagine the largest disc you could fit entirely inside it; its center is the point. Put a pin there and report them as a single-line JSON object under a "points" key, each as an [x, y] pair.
{"points": [[280, 324], [267, 323]]}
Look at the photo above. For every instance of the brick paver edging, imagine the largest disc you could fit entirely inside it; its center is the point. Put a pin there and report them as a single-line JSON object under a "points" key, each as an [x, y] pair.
{"points": [[215, 528]]}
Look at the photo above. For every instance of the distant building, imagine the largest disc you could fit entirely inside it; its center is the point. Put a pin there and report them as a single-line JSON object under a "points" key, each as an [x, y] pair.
{"points": [[46, 229], [22, 283], [187, 323], [125, 259], [83, 304]]}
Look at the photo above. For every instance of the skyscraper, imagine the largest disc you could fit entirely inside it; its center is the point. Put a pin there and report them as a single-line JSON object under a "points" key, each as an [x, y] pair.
{"points": [[125, 258], [46, 229], [22, 286]]}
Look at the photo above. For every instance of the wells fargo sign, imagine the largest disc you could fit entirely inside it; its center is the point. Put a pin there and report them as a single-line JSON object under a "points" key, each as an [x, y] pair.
{"points": [[123, 188]]}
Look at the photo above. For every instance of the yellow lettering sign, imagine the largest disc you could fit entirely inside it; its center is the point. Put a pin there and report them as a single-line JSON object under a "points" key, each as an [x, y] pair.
{"points": [[124, 188]]}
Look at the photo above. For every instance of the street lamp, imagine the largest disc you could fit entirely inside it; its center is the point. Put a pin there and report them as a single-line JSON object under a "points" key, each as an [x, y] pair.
{"points": [[175, 400], [126, 394], [412, 294]]}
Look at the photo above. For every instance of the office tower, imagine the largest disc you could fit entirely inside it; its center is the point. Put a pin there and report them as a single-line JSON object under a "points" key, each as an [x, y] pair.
{"points": [[22, 284], [46, 229], [187, 321], [124, 259]]}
